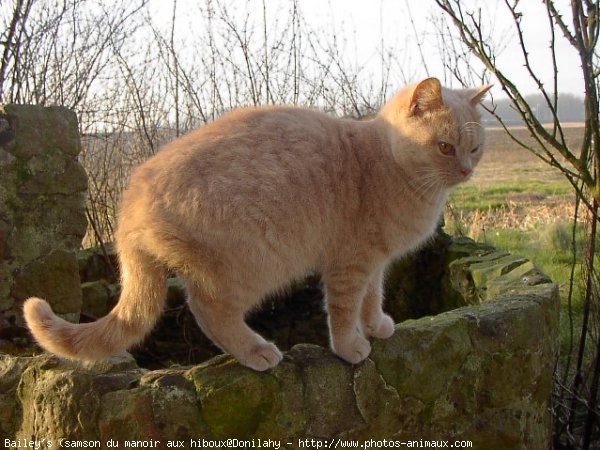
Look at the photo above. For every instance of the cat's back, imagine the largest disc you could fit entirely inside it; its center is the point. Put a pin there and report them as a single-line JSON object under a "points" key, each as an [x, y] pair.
{"points": [[248, 140], [250, 160], [253, 129]]}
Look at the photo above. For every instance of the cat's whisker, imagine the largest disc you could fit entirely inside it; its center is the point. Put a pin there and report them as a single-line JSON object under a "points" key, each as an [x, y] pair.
{"points": [[425, 185], [428, 185]]}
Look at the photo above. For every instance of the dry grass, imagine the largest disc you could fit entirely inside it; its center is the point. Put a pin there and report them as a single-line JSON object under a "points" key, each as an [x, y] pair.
{"points": [[505, 161], [511, 189], [521, 216]]}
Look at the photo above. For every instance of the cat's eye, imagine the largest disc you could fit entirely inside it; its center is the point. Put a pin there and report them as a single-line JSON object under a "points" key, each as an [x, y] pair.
{"points": [[475, 149], [446, 149]]}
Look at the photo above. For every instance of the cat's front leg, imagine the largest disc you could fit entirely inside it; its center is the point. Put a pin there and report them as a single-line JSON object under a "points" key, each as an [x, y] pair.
{"points": [[375, 322], [344, 292]]}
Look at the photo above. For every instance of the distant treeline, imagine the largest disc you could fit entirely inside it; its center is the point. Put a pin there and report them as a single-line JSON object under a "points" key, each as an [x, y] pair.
{"points": [[570, 109]]}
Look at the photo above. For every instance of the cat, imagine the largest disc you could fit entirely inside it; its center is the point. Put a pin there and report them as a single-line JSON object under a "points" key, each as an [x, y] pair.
{"points": [[241, 207]]}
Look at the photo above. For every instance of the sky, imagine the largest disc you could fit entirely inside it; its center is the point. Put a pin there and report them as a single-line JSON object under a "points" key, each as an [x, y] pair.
{"points": [[392, 20], [409, 27]]}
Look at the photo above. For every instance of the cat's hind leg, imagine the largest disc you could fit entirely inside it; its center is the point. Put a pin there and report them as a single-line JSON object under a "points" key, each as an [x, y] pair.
{"points": [[375, 322], [220, 315]]}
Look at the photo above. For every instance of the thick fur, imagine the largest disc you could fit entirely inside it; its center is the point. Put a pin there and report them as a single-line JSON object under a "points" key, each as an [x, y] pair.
{"points": [[242, 206]]}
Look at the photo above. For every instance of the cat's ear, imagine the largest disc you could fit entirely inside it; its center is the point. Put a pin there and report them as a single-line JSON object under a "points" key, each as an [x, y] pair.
{"points": [[426, 96], [475, 95]]}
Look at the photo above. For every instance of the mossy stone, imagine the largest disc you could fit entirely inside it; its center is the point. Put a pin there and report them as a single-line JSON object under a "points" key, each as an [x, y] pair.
{"points": [[62, 395], [484, 271], [53, 277], [11, 410], [461, 247], [525, 274], [234, 400], [160, 410], [94, 296], [42, 210], [429, 348], [329, 403]]}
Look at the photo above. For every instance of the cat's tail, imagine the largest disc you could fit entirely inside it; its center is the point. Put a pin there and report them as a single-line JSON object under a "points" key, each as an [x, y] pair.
{"points": [[142, 299]]}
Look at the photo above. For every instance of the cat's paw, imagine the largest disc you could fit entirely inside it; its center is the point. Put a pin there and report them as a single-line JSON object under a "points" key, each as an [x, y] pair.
{"points": [[262, 357], [354, 348], [382, 329]]}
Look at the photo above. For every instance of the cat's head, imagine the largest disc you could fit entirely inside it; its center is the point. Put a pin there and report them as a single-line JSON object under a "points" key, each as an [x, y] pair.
{"points": [[436, 131]]}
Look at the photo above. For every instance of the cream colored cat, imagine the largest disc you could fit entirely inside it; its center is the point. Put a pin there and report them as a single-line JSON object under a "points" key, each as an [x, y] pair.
{"points": [[242, 206]]}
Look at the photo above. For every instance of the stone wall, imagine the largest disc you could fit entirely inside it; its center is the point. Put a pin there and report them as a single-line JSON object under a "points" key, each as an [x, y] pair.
{"points": [[42, 218], [480, 373]]}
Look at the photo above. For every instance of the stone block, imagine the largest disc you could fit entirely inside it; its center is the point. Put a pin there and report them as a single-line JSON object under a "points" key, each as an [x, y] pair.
{"points": [[95, 299], [53, 277], [42, 210]]}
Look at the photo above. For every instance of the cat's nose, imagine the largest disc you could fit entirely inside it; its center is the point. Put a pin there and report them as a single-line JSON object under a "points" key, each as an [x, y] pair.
{"points": [[466, 171]]}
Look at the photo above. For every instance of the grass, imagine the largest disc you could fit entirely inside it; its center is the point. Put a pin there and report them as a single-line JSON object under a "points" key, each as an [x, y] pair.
{"points": [[518, 203], [494, 196]]}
